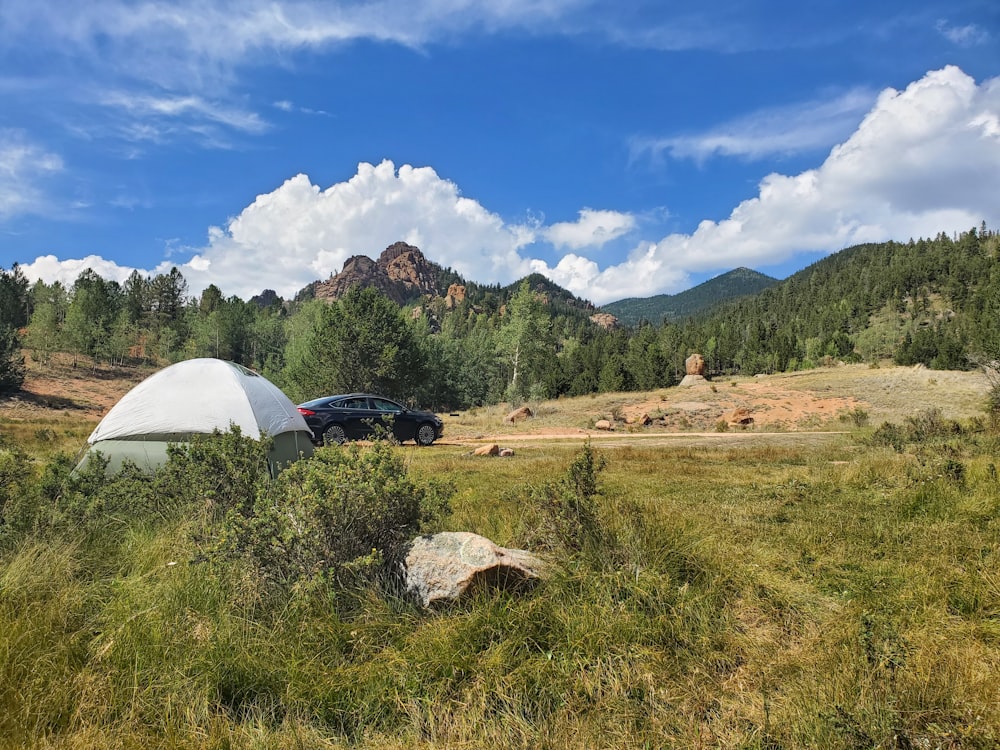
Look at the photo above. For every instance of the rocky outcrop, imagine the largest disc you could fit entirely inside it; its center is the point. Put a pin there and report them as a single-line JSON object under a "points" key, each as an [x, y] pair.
{"points": [[359, 270], [406, 265], [740, 417], [455, 296], [518, 415], [267, 298], [606, 321], [445, 567], [694, 365], [401, 273]]}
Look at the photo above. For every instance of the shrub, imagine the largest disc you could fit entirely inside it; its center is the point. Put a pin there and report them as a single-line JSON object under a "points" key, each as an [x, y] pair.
{"points": [[221, 472], [343, 512], [16, 476], [856, 416], [564, 512], [888, 435]]}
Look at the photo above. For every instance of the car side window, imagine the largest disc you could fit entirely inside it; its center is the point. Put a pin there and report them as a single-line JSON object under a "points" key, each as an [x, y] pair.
{"points": [[383, 405], [356, 403]]}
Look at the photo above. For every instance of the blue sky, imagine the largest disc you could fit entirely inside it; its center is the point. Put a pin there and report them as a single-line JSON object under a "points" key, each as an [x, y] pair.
{"points": [[623, 148]]}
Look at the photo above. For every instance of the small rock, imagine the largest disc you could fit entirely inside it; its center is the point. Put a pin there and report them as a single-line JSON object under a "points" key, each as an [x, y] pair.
{"points": [[490, 449], [602, 424], [506, 452]]}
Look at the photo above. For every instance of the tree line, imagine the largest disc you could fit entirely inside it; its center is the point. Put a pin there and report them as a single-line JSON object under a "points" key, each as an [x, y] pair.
{"points": [[932, 301]]}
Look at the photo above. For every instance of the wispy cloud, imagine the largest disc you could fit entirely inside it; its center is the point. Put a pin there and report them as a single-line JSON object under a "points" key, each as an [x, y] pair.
{"points": [[969, 35], [803, 127], [24, 167], [286, 106], [180, 108]]}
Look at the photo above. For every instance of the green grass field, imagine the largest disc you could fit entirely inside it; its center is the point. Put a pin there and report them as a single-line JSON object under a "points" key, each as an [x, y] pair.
{"points": [[840, 593]]}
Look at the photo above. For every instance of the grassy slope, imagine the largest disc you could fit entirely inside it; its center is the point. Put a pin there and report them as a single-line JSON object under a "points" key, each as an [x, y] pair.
{"points": [[825, 594]]}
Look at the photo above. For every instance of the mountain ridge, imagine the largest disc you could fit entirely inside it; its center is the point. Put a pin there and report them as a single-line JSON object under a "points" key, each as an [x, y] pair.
{"points": [[739, 282], [406, 276]]}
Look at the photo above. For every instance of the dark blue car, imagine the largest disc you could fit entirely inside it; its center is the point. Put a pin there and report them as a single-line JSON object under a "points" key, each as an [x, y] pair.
{"points": [[356, 416]]}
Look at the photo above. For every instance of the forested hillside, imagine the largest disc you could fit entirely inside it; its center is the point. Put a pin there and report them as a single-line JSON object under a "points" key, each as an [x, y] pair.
{"points": [[927, 301], [934, 301], [671, 308]]}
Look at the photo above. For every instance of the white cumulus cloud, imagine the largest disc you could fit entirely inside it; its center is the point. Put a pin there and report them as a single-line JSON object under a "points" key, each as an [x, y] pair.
{"points": [[592, 229], [299, 232], [922, 161]]}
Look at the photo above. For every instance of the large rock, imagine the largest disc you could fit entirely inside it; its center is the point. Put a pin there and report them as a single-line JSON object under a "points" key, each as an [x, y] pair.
{"points": [[607, 321], [359, 270], [694, 365], [518, 415], [447, 566], [455, 295], [690, 380], [740, 416], [406, 265], [603, 424], [401, 273]]}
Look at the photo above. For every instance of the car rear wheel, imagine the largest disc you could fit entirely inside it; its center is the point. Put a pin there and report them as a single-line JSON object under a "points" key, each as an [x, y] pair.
{"points": [[335, 434], [426, 434]]}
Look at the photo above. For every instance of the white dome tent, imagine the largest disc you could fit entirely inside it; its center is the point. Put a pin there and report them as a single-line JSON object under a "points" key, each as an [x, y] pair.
{"points": [[198, 396]]}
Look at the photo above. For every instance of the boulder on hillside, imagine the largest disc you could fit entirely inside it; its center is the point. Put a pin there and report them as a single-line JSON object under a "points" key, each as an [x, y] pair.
{"points": [[740, 417], [455, 295], [518, 415], [603, 424], [694, 365], [445, 567], [607, 321]]}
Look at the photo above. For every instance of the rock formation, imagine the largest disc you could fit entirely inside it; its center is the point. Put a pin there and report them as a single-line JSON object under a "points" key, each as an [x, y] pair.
{"points": [[445, 567], [518, 415], [401, 273], [606, 321], [694, 365]]}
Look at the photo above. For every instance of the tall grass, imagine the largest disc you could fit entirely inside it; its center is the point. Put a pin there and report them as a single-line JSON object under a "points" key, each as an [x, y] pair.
{"points": [[842, 596]]}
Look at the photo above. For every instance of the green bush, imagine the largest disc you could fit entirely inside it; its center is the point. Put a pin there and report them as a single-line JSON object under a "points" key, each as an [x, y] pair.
{"points": [[16, 477], [218, 473], [343, 512], [563, 515]]}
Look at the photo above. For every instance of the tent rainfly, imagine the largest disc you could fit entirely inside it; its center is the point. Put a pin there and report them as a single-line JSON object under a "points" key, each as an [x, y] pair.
{"points": [[198, 396]]}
